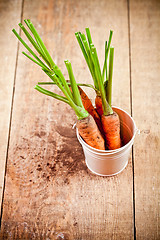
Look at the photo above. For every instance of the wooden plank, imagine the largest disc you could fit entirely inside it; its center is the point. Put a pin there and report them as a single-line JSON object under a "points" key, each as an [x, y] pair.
{"points": [[145, 53], [10, 12], [49, 192]]}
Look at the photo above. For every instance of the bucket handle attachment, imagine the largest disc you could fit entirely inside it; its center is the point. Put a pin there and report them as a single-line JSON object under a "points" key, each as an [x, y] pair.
{"points": [[138, 131]]}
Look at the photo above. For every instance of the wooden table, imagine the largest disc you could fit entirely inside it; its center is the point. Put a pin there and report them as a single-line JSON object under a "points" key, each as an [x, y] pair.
{"points": [[46, 190]]}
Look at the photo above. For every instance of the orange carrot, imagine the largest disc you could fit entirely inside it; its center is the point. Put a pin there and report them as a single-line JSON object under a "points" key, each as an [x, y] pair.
{"points": [[111, 127], [89, 131], [90, 109], [98, 103], [87, 102]]}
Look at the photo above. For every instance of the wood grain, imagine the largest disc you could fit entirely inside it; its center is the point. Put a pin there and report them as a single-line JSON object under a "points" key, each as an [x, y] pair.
{"points": [[145, 58], [50, 193], [10, 12]]}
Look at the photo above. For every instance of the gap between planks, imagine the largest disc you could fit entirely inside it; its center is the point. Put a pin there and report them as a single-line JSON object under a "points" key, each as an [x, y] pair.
{"points": [[15, 72], [131, 107]]}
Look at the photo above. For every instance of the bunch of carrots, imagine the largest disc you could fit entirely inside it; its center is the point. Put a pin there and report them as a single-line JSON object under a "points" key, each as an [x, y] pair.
{"points": [[99, 126]]}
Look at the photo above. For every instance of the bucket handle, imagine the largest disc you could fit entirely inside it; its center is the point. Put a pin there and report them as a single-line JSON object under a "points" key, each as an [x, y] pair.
{"points": [[74, 125]]}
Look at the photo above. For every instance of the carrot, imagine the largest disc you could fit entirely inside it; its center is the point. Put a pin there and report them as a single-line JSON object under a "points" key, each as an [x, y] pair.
{"points": [[87, 102], [89, 131], [90, 109], [98, 103], [111, 127]]}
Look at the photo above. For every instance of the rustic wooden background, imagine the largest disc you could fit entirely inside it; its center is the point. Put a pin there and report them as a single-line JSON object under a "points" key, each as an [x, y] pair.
{"points": [[46, 190]]}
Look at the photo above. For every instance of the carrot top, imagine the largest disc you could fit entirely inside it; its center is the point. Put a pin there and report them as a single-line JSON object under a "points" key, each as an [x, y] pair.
{"points": [[71, 96], [101, 81]]}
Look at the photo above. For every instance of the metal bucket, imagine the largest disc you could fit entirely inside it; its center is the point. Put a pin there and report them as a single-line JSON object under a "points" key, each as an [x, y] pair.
{"points": [[111, 162]]}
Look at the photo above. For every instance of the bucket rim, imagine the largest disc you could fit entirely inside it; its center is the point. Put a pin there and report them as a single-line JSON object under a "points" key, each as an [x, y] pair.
{"points": [[110, 151]]}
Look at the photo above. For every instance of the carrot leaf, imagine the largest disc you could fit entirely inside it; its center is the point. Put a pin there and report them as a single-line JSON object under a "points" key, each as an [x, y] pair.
{"points": [[107, 48], [52, 71], [51, 94], [109, 87], [76, 94]]}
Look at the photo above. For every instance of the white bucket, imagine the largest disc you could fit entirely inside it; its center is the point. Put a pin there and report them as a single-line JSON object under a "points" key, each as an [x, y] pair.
{"points": [[111, 162]]}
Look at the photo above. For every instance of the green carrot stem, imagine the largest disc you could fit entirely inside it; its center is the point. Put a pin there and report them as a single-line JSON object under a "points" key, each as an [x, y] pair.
{"points": [[51, 94], [109, 87], [80, 112], [106, 108], [56, 80], [30, 38], [89, 36], [35, 34], [54, 72], [57, 71], [107, 48], [105, 63], [40, 42], [90, 61], [87, 85], [81, 46], [59, 83], [35, 61], [75, 91], [86, 56], [105, 87], [96, 57], [46, 83], [32, 41], [50, 74], [85, 43], [86, 49], [78, 84], [28, 48], [110, 38]]}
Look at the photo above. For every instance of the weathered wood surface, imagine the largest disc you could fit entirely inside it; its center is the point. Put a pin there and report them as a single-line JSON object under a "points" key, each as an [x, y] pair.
{"points": [[145, 59], [49, 190], [10, 12]]}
